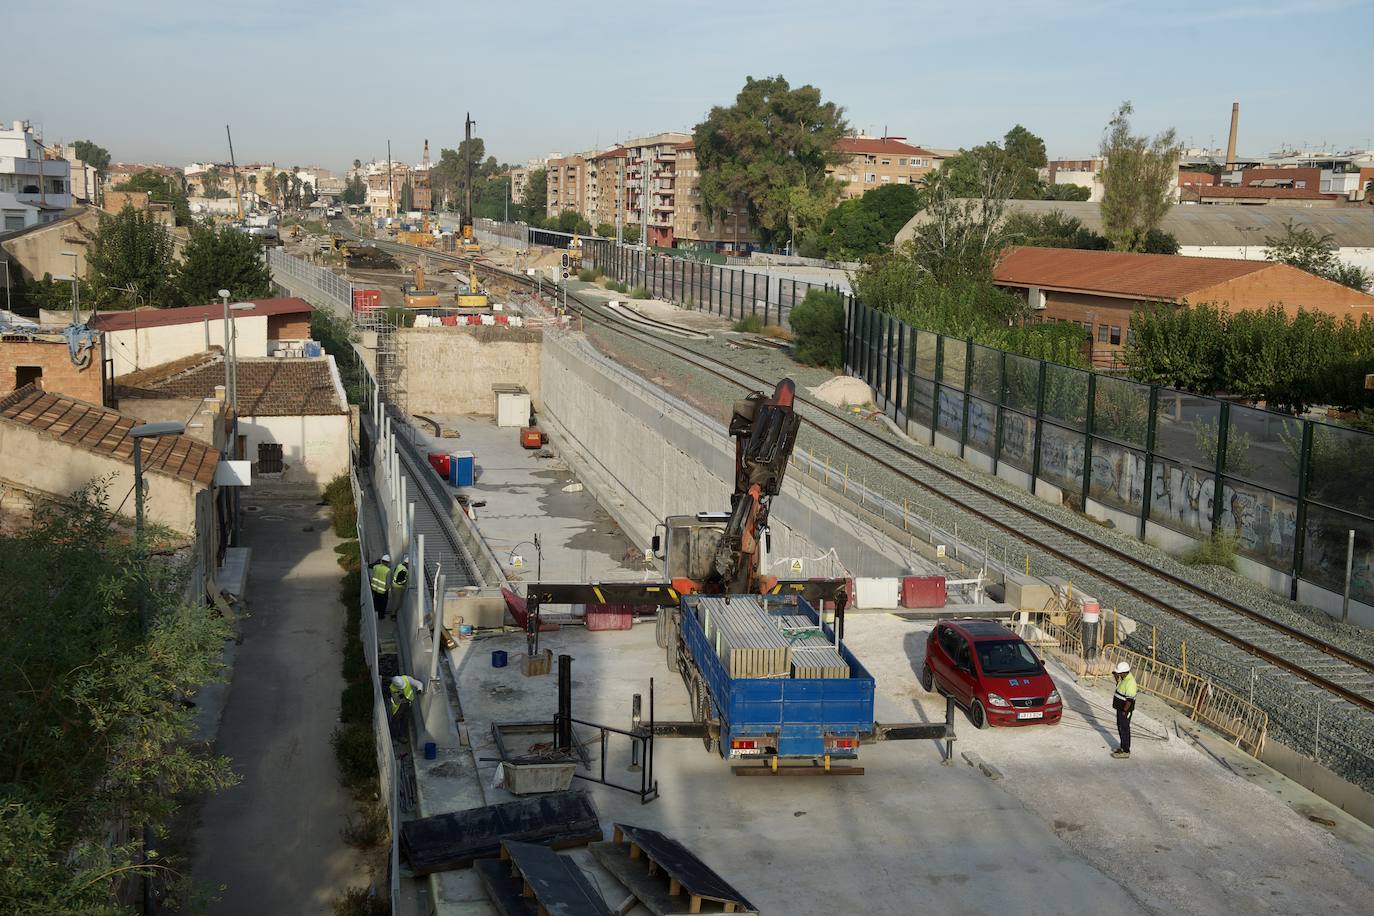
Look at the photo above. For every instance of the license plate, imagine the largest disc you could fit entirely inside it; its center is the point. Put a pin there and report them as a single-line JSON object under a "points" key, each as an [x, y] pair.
{"points": [[1030, 715]]}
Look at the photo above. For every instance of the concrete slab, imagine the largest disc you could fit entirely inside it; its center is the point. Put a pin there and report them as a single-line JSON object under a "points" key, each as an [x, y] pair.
{"points": [[232, 574]]}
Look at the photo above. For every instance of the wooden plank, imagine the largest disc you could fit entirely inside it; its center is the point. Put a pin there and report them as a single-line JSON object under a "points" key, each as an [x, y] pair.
{"points": [[651, 891], [797, 771], [681, 865]]}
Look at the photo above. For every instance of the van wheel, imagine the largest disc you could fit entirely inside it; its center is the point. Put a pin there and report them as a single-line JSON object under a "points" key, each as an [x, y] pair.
{"points": [[927, 679], [977, 716]]}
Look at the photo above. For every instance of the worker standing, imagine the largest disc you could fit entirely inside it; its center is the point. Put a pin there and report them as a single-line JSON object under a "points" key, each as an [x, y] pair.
{"points": [[403, 690], [400, 577], [1123, 701], [379, 575]]}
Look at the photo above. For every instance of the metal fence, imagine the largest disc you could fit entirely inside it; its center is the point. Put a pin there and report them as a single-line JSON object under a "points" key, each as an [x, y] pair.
{"points": [[319, 286], [1147, 455]]}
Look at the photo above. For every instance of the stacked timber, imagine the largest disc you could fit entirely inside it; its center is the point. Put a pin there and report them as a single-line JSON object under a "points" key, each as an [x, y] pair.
{"points": [[753, 641]]}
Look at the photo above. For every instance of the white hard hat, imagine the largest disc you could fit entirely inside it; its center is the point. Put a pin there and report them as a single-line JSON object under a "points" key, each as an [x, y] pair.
{"points": [[1122, 668], [386, 558]]}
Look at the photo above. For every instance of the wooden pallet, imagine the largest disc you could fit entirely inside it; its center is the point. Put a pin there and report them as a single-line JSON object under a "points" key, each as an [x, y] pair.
{"points": [[665, 875], [532, 880]]}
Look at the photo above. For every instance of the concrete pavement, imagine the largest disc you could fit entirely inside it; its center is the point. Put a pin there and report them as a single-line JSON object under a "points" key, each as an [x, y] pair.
{"points": [[274, 841]]}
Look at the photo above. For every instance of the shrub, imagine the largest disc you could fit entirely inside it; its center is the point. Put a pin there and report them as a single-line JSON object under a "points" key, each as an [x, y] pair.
{"points": [[350, 556], [639, 292], [354, 667], [616, 286], [355, 751], [370, 829], [345, 521], [339, 492], [361, 901], [777, 332], [818, 328], [1217, 550], [751, 324], [586, 275], [355, 703]]}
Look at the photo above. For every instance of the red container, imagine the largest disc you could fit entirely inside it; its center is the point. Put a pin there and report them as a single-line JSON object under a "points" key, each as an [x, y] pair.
{"points": [[610, 616], [449, 321], [366, 299], [531, 437], [923, 591], [501, 319], [439, 461]]}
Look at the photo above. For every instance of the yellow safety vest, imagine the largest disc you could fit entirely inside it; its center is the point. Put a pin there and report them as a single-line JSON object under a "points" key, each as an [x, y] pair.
{"points": [[379, 577], [1125, 691], [401, 576]]}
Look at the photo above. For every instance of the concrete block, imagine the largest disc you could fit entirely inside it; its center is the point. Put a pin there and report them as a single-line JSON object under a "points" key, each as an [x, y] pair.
{"points": [[975, 760], [481, 611], [1027, 593]]}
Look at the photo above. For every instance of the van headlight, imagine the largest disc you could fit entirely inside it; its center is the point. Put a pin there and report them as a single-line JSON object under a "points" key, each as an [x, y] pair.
{"points": [[995, 700], [1053, 697]]}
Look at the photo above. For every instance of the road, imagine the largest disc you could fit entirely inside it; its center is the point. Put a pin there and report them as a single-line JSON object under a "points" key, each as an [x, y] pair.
{"points": [[274, 841]]}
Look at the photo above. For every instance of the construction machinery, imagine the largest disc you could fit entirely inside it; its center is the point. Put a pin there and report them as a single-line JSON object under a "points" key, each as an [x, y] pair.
{"points": [[417, 295], [473, 298], [469, 243]]}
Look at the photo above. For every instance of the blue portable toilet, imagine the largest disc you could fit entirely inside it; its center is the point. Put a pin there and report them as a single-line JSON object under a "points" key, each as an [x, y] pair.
{"points": [[461, 467]]}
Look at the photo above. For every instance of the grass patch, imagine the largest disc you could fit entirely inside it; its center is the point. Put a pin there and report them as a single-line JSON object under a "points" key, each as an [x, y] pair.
{"points": [[777, 332], [370, 829], [1217, 550], [586, 275], [640, 292], [616, 286], [355, 752], [350, 555], [749, 324]]}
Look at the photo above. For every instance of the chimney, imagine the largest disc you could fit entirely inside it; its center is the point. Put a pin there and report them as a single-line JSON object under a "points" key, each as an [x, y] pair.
{"points": [[1231, 141]]}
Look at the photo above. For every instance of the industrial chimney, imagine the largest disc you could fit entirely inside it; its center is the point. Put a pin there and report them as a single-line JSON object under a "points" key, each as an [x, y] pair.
{"points": [[1231, 141]]}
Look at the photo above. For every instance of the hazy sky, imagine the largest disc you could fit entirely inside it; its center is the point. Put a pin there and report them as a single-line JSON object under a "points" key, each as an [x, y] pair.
{"points": [[303, 81]]}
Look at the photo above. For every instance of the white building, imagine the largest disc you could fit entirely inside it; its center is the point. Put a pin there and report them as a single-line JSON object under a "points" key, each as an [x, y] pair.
{"points": [[33, 189]]}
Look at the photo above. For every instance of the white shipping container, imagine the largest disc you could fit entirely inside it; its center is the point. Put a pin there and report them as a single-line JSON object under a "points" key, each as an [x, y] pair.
{"points": [[877, 593], [512, 409]]}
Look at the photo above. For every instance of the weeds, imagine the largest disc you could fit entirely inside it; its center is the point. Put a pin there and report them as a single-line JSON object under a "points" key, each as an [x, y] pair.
{"points": [[586, 275], [361, 901], [639, 292], [371, 829], [355, 751], [1217, 550], [749, 324]]}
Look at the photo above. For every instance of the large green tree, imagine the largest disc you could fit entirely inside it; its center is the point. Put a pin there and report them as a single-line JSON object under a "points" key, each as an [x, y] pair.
{"points": [[130, 261], [1315, 252], [866, 225], [221, 258], [355, 191], [98, 157], [769, 151], [1138, 181], [163, 189], [536, 197], [1015, 161], [99, 651]]}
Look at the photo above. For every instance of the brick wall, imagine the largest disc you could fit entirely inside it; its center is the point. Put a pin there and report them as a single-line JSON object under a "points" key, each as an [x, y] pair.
{"points": [[59, 375], [1290, 287], [289, 327]]}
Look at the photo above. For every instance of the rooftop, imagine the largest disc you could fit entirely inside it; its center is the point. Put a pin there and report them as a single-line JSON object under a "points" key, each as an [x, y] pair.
{"points": [[879, 145], [267, 387], [154, 317], [1258, 191], [1163, 277], [97, 429]]}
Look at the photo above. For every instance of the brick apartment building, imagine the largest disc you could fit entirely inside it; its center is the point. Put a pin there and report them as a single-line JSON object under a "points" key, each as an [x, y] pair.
{"points": [[1098, 290], [876, 161], [567, 185], [607, 195], [728, 232]]}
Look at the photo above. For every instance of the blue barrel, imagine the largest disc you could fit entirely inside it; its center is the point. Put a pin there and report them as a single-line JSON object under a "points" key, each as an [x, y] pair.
{"points": [[431, 750], [498, 658]]}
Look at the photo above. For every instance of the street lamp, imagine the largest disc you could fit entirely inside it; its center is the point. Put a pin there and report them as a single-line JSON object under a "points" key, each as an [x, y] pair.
{"points": [[538, 552], [231, 336]]}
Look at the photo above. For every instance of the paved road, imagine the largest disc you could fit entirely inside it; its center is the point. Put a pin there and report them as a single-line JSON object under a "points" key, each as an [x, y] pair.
{"points": [[274, 840]]}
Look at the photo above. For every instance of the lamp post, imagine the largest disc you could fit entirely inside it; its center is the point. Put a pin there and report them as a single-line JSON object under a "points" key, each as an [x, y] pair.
{"points": [[538, 553]]}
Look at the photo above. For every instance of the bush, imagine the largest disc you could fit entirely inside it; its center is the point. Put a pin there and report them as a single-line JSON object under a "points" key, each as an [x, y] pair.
{"points": [[345, 521], [354, 667], [586, 275], [355, 751], [818, 327], [355, 703], [350, 556], [750, 324], [361, 901], [339, 491], [616, 286], [370, 829], [639, 292], [1217, 550]]}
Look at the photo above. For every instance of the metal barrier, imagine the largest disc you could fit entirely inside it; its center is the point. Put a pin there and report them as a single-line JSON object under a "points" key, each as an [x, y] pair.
{"points": [[319, 286]]}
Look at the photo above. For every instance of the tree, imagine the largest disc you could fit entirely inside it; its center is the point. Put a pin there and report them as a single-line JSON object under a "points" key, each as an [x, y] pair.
{"points": [[1316, 253], [818, 328], [769, 152], [605, 230], [1067, 192], [961, 234], [161, 189], [1051, 230], [97, 157], [1138, 181], [1157, 241], [572, 221], [96, 733], [630, 233], [355, 191], [537, 196], [867, 224], [1018, 160], [212, 184], [221, 258], [130, 260]]}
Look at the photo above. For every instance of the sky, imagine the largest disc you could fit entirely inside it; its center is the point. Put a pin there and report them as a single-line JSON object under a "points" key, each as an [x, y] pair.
{"points": [[303, 82]]}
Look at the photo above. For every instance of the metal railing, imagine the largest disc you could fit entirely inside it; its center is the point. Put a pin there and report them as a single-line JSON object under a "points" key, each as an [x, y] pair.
{"points": [[319, 286]]}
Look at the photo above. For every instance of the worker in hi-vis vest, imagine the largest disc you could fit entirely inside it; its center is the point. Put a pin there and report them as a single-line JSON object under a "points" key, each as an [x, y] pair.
{"points": [[403, 690], [379, 578], [1123, 701]]}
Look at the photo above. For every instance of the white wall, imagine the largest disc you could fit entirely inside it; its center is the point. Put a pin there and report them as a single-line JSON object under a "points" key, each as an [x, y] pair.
{"points": [[145, 347], [314, 449], [1359, 257]]}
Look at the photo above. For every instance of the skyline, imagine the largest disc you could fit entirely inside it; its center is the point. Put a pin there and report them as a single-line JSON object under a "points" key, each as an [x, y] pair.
{"points": [[325, 84]]}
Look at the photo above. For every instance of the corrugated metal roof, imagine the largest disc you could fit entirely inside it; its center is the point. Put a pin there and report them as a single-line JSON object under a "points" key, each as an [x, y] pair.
{"points": [[1147, 276], [106, 432], [1202, 225]]}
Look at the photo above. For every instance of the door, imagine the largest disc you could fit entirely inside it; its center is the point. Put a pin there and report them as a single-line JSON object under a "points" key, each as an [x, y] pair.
{"points": [[964, 679]]}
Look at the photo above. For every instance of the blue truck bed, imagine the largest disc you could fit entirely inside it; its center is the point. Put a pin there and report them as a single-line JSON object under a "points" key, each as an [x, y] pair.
{"points": [[800, 717]]}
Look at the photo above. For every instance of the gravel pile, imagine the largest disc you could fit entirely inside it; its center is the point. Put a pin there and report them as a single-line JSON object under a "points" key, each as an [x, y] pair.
{"points": [[1302, 716]]}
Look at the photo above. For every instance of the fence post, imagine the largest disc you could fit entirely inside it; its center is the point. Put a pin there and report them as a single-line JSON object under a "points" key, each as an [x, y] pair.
{"points": [[1001, 396], [1300, 534], [1039, 424], [1149, 487], [848, 337], [1223, 439], [767, 282], [1089, 418], [935, 389], [968, 384]]}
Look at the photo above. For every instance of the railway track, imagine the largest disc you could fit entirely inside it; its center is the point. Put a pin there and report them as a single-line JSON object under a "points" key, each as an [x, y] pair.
{"points": [[1106, 571]]}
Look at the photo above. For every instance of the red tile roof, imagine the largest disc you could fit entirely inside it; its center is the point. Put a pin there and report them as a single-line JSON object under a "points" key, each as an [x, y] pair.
{"points": [[268, 387], [194, 314], [873, 145], [1163, 277], [106, 432], [1261, 193]]}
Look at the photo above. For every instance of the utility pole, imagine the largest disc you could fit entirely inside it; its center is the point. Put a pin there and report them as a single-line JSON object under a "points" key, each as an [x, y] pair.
{"points": [[234, 169]]}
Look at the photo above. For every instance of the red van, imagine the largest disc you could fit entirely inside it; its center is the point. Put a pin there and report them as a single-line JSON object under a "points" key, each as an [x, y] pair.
{"points": [[991, 672]]}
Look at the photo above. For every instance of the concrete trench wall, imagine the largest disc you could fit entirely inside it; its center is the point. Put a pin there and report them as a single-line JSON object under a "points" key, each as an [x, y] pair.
{"points": [[646, 458]]}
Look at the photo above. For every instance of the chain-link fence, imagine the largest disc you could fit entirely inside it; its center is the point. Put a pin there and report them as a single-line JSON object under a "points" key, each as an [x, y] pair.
{"points": [[1141, 455], [319, 286]]}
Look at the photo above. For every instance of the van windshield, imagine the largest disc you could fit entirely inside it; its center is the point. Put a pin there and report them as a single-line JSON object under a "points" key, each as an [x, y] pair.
{"points": [[1006, 656]]}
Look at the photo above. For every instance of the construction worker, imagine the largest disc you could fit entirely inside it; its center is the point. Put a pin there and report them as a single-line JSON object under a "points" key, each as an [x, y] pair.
{"points": [[1123, 701], [403, 690], [400, 577], [379, 574]]}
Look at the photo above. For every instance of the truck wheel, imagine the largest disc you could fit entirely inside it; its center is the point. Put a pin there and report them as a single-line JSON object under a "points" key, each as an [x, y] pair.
{"points": [[661, 627], [927, 679], [672, 653]]}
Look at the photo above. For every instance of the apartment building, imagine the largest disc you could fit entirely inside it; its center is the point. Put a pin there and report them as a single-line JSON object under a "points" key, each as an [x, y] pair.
{"points": [[34, 189], [650, 183], [727, 232], [876, 161], [608, 196], [381, 198], [567, 184], [86, 181], [519, 178]]}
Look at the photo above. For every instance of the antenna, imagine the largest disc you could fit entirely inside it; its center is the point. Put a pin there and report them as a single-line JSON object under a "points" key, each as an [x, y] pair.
{"points": [[233, 167]]}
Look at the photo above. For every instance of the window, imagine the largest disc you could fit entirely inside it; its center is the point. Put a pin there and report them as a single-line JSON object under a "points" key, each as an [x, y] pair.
{"points": [[901, 179], [901, 162], [887, 179], [870, 178], [1101, 333], [1116, 336], [25, 375], [886, 162]]}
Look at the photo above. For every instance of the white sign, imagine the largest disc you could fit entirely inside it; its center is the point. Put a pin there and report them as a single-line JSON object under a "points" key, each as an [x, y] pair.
{"points": [[649, 555], [517, 561], [939, 550], [795, 567], [234, 474]]}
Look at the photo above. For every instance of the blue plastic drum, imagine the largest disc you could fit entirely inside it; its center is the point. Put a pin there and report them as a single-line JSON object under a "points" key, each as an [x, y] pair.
{"points": [[498, 658]]}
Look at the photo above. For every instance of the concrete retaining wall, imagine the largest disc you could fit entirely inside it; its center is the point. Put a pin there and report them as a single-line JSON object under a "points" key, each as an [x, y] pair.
{"points": [[451, 370]]}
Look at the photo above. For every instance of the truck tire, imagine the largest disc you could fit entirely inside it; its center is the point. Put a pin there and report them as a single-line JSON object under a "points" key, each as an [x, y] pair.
{"points": [[662, 629], [671, 653]]}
